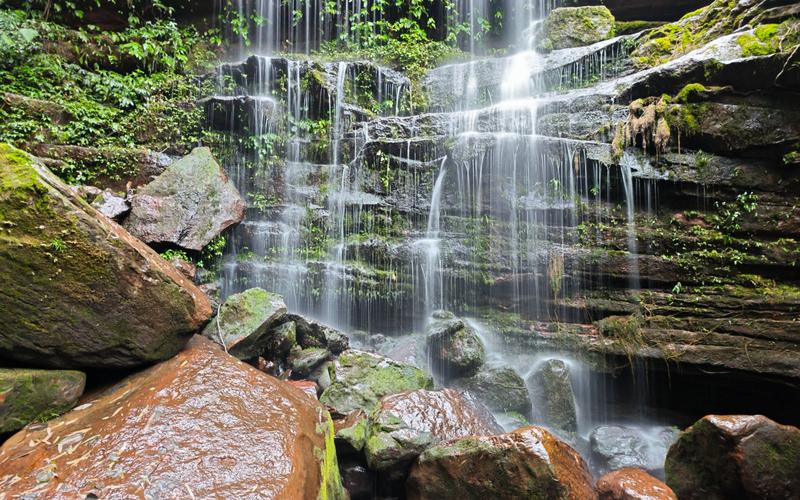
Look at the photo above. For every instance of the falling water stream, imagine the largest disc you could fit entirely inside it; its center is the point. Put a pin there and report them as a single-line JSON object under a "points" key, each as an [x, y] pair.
{"points": [[485, 225]]}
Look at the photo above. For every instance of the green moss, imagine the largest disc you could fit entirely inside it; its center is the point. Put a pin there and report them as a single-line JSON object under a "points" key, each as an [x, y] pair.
{"points": [[690, 92], [18, 172], [331, 486]]}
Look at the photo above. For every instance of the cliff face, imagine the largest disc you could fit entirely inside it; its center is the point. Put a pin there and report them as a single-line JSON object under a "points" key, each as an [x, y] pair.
{"points": [[643, 206]]}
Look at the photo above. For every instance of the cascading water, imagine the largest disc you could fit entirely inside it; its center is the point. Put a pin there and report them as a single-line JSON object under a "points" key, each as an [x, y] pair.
{"points": [[369, 220]]}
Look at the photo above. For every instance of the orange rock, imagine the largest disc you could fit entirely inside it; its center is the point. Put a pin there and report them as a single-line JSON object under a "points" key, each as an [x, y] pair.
{"points": [[199, 425], [307, 386], [527, 463], [632, 484]]}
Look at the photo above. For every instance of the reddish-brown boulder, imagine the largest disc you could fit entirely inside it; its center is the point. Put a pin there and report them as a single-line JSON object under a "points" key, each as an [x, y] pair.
{"points": [[527, 463], [200, 425], [735, 456], [406, 424], [632, 484]]}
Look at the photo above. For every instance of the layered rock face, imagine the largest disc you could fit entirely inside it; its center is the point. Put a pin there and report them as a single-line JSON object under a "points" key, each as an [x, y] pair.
{"points": [[200, 425], [77, 289]]}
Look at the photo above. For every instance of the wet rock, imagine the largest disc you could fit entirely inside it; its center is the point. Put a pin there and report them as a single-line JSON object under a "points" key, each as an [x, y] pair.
{"points": [[405, 424], [311, 333], [453, 347], [107, 202], [735, 456], [307, 386], [360, 379], [244, 321], [351, 433], [215, 427], [617, 447], [552, 396], [186, 268], [79, 290], [501, 389], [357, 481], [570, 27], [281, 340], [190, 217], [408, 349], [632, 484], [30, 395], [303, 362], [527, 463]]}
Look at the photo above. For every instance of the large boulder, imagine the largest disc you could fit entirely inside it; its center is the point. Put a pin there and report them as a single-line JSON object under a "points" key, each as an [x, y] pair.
{"points": [[244, 321], [30, 395], [312, 333], [501, 389], [553, 399], [735, 456], [360, 379], [570, 27], [453, 347], [77, 289], [200, 425], [405, 424], [527, 463], [632, 484], [615, 447], [188, 205]]}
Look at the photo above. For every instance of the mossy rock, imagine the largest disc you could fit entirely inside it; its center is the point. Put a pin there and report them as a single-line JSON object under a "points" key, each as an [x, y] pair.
{"points": [[453, 347], [360, 379], [244, 321], [36, 395], [78, 290], [570, 27], [500, 389]]}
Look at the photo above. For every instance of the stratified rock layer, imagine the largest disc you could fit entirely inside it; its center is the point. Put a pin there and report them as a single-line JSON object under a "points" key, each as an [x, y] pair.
{"points": [[197, 426], [76, 289]]}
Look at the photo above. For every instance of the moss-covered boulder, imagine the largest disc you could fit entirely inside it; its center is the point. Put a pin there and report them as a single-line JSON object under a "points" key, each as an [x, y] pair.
{"points": [[527, 463], [245, 320], [569, 27], [30, 395], [453, 347], [200, 425], [552, 396], [501, 389], [405, 424], [77, 289], [735, 456], [360, 379], [188, 205]]}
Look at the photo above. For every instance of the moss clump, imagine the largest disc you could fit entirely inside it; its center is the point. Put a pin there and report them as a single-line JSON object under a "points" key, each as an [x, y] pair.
{"points": [[575, 27], [691, 92], [330, 487], [17, 171]]}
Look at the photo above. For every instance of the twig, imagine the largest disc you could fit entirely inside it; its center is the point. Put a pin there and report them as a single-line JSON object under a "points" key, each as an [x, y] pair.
{"points": [[219, 331]]}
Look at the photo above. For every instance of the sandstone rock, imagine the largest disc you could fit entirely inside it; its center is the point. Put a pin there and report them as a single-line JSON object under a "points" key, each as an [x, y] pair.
{"points": [[552, 396], [501, 389], [405, 424], [188, 205], [735, 456], [107, 202], [30, 395], [79, 290], [527, 463], [632, 484], [570, 27], [282, 339], [244, 321], [453, 347], [199, 425], [307, 386], [186, 268], [360, 379]]}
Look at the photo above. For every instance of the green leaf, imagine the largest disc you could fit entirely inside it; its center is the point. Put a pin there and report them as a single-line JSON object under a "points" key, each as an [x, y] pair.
{"points": [[28, 34]]}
